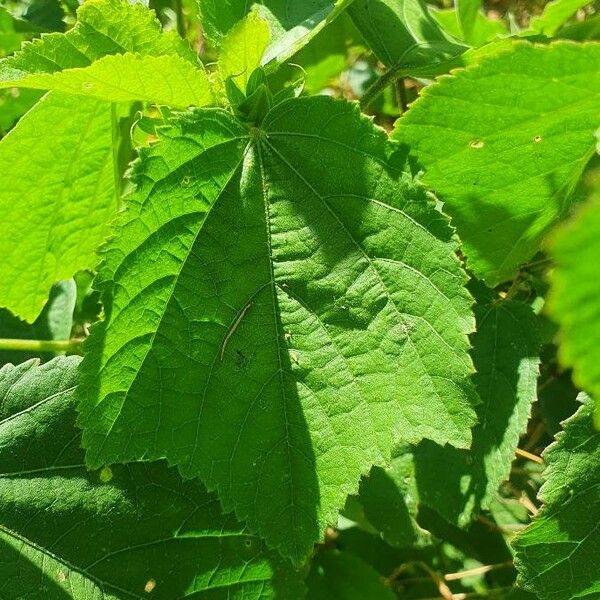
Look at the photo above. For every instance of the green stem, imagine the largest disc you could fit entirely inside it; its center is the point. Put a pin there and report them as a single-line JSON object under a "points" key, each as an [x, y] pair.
{"points": [[401, 96], [40, 345], [389, 77]]}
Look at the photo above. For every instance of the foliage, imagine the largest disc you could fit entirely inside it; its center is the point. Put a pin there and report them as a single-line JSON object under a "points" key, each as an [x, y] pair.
{"points": [[328, 270]]}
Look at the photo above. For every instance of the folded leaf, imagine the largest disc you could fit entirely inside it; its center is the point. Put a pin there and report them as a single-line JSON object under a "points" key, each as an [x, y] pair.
{"points": [[57, 197], [67, 532], [283, 306], [557, 555], [574, 299], [115, 52], [504, 143]]}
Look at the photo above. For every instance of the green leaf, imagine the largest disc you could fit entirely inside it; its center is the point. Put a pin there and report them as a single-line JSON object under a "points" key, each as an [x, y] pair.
{"points": [[484, 29], [343, 576], [243, 48], [554, 16], [459, 483], [57, 197], [467, 11], [67, 532], [557, 555], [504, 143], [390, 499], [283, 306], [115, 52], [403, 34], [574, 299], [582, 31], [293, 24], [54, 323]]}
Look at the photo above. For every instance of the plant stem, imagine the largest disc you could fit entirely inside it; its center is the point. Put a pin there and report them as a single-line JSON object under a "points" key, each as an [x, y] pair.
{"points": [[389, 77], [40, 345], [401, 97]]}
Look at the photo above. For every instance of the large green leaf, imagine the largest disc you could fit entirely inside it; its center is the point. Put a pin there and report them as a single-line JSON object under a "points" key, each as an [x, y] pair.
{"points": [[293, 24], [115, 52], [403, 34], [557, 555], [57, 197], [575, 296], [283, 306], [504, 143], [129, 532], [457, 483]]}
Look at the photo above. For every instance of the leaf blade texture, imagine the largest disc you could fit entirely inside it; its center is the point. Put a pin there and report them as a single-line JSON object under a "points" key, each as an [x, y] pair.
{"points": [[58, 196], [300, 266], [532, 109], [557, 555], [115, 52], [70, 533], [573, 299]]}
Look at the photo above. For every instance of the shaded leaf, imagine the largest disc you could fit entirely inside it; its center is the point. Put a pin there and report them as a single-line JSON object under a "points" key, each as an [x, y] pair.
{"points": [[459, 483], [67, 532], [342, 576], [557, 555], [54, 323]]}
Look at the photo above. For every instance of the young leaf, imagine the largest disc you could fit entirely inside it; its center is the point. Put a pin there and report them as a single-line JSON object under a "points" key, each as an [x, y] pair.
{"points": [[293, 24], [574, 299], [115, 52], [343, 576], [458, 483], [67, 532], [504, 143], [283, 306], [402, 33], [243, 48], [557, 555], [57, 197]]}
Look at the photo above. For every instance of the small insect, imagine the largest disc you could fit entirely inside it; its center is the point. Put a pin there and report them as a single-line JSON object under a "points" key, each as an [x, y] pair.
{"points": [[234, 327]]}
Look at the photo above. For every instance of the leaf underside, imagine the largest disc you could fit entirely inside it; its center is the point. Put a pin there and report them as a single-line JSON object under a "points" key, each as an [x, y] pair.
{"points": [[283, 306]]}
